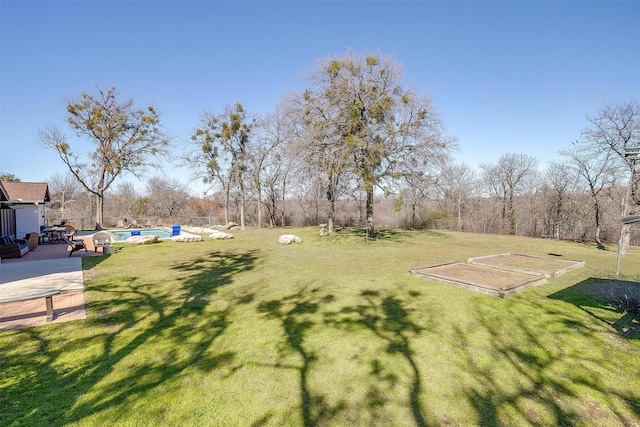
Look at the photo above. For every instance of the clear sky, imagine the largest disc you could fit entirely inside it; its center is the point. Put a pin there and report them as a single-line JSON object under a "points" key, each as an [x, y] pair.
{"points": [[507, 76]]}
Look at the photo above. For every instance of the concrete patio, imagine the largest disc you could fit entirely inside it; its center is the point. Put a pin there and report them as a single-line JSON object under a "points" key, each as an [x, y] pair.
{"points": [[46, 268]]}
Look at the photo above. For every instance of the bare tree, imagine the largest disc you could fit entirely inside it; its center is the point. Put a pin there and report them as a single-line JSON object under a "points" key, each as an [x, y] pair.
{"points": [[458, 183], [320, 139], [596, 168], [122, 199], [268, 159], [507, 179], [617, 128], [560, 185], [125, 139], [64, 189], [167, 197]]}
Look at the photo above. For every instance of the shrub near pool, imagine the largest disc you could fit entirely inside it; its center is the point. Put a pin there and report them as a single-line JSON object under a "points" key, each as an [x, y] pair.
{"points": [[330, 331]]}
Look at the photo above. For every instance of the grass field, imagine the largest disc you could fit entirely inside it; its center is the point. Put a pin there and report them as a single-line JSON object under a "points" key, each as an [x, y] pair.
{"points": [[332, 331]]}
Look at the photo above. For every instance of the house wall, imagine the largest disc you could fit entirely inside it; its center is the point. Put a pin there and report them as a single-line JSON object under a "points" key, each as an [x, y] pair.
{"points": [[7, 222], [29, 217]]}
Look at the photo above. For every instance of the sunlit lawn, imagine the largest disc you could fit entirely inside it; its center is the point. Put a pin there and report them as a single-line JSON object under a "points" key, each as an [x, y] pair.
{"points": [[331, 331]]}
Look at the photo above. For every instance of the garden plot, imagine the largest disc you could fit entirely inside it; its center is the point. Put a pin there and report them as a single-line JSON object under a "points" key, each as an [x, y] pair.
{"points": [[550, 267], [499, 275], [488, 280]]}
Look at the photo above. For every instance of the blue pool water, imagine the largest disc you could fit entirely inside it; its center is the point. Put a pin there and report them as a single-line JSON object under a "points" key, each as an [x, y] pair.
{"points": [[122, 235]]}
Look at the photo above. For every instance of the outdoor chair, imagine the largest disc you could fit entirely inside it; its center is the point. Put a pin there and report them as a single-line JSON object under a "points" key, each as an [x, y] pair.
{"points": [[12, 248], [32, 240], [101, 239], [70, 229], [75, 245]]}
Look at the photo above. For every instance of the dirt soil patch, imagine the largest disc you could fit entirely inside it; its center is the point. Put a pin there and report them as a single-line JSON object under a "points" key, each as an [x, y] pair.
{"points": [[485, 279], [549, 266]]}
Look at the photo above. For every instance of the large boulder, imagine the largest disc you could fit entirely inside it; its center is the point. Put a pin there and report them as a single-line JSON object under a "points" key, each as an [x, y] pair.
{"points": [[141, 240], [197, 230], [187, 237], [220, 235], [287, 239]]}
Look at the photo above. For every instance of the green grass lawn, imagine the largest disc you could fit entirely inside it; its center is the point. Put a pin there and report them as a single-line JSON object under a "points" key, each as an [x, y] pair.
{"points": [[332, 331]]}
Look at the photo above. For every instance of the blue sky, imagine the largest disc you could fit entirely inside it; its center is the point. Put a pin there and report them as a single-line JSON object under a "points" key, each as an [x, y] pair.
{"points": [[508, 76]]}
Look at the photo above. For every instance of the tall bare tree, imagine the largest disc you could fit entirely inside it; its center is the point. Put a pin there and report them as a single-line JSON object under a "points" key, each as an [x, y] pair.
{"points": [[65, 189], [167, 196], [269, 158], [458, 183], [597, 170], [507, 178], [616, 127], [126, 139], [560, 186], [320, 139]]}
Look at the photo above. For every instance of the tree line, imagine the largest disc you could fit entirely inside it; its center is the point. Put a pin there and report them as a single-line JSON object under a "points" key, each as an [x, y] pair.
{"points": [[353, 142]]}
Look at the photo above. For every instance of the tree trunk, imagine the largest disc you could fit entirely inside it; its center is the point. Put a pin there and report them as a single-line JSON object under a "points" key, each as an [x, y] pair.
{"points": [[597, 233], [626, 239], [634, 203], [259, 190], [369, 208], [459, 213], [413, 214], [331, 197], [242, 204], [512, 215], [284, 197], [331, 215], [99, 208], [226, 207]]}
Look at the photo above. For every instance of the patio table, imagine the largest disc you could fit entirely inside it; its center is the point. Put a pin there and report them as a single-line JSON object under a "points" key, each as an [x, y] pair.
{"points": [[54, 234]]}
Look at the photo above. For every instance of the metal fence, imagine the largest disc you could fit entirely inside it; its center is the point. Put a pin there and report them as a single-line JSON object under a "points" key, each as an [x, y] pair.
{"points": [[128, 222], [574, 232]]}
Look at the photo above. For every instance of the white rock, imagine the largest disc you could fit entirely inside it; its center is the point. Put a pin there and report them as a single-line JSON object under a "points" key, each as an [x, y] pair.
{"points": [[220, 235], [141, 240], [287, 239], [187, 237]]}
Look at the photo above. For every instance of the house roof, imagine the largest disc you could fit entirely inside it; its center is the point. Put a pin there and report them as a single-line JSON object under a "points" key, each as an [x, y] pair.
{"points": [[3, 194], [24, 192]]}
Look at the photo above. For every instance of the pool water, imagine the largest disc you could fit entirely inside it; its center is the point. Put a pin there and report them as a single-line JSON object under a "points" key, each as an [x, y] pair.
{"points": [[122, 235]]}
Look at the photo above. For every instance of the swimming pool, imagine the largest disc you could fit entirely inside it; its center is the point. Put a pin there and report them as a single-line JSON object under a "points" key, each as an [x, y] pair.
{"points": [[122, 235]]}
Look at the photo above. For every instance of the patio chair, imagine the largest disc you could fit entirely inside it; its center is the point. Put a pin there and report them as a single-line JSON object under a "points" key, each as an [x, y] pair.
{"points": [[70, 229], [75, 245], [101, 239], [32, 240], [12, 248]]}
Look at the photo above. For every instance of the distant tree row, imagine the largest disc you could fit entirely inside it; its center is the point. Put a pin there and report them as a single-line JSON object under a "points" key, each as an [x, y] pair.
{"points": [[355, 140]]}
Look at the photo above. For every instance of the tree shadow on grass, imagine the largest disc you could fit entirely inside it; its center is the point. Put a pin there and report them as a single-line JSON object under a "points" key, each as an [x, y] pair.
{"points": [[143, 338], [616, 297], [296, 313], [539, 381], [383, 234], [390, 321]]}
